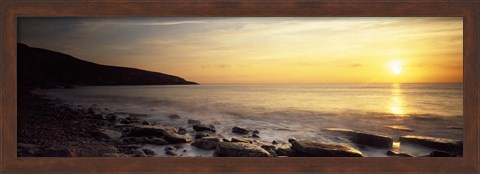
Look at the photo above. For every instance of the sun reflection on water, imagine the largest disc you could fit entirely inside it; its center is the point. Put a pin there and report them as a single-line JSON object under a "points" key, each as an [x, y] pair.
{"points": [[396, 101]]}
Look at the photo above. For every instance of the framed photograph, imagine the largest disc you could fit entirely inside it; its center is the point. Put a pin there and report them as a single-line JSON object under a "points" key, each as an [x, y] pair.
{"points": [[256, 86]]}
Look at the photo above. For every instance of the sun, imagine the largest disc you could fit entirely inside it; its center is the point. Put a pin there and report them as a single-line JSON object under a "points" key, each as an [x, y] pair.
{"points": [[396, 67]]}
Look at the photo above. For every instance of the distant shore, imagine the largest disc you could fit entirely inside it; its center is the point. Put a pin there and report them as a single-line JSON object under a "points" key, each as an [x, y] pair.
{"points": [[50, 128]]}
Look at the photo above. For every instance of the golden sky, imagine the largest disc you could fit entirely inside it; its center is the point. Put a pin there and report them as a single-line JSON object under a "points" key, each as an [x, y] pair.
{"points": [[264, 50]]}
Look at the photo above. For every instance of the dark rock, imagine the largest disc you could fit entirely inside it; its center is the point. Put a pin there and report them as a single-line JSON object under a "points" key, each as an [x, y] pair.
{"points": [[274, 142], [291, 140], [364, 138], [201, 135], [202, 127], [392, 153], [158, 141], [174, 116], [182, 131], [137, 140], [165, 132], [241, 140], [125, 121], [225, 140], [443, 144], [310, 148], [139, 153], [254, 135], [111, 117], [99, 135], [256, 132], [170, 150], [145, 123], [148, 151], [284, 151], [237, 149], [239, 130], [207, 143], [112, 134], [191, 121], [437, 153]]}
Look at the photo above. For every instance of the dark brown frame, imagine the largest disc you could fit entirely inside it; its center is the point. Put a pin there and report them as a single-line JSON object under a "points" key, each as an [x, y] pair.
{"points": [[468, 9]]}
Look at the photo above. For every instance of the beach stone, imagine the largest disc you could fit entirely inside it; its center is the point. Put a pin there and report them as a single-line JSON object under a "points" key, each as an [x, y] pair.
{"points": [[182, 131], [364, 138], [166, 133], [254, 135], [192, 121], [437, 153], [207, 143], [201, 135], [274, 142], [285, 151], [111, 117], [237, 149], [291, 140], [241, 140], [139, 153], [443, 144], [203, 127], [310, 148], [392, 153], [158, 141], [171, 150], [149, 152], [239, 130]]}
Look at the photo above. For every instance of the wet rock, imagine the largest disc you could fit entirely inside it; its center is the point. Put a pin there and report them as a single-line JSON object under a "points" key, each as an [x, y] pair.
{"points": [[112, 134], [174, 116], [392, 153], [148, 151], [182, 131], [256, 132], [443, 144], [291, 140], [170, 150], [111, 117], [125, 121], [364, 138], [201, 135], [237, 149], [145, 123], [139, 153], [241, 140], [285, 151], [239, 130], [191, 121], [254, 135], [136, 140], [99, 135], [158, 141], [207, 143], [202, 127], [310, 148], [437, 153], [225, 140], [167, 133], [274, 142]]}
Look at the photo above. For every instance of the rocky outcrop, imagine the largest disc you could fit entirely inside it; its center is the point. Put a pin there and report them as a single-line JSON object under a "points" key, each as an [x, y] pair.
{"points": [[316, 149], [167, 133], [203, 127], [237, 149], [239, 130], [364, 138], [443, 144], [207, 143]]}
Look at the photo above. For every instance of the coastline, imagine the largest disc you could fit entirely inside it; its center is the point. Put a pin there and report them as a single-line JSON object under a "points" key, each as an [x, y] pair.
{"points": [[50, 128]]}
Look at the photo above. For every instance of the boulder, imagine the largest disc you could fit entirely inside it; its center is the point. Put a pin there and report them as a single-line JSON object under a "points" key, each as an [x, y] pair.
{"points": [[182, 131], [167, 133], [203, 127], [191, 121], [239, 130], [364, 138], [207, 143], [316, 149], [201, 135], [237, 149], [443, 144], [392, 153]]}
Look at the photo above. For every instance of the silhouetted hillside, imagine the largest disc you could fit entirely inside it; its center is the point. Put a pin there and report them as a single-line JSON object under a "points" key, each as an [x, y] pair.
{"points": [[45, 68]]}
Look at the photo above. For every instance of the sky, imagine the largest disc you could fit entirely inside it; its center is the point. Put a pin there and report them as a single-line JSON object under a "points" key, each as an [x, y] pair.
{"points": [[263, 49]]}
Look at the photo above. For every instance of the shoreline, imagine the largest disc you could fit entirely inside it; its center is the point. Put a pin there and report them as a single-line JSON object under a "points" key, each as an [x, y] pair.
{"points": [[85, 132]]}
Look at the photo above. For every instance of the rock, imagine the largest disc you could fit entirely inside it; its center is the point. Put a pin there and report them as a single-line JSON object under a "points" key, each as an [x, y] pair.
{"points": [[191, 121], [364, 138], [170, 150], [239, 130], [201, 135], [241, 140], [225, 140], [443, 144], [202, 127], [392, 153], [291, 140], [149, 151], [310, 148], [112, 134], [256, 132], [158, 141], [99, 135], [139, 153], [274, 142], [207, 143], [400, 128], [164, 132], [254, 135], [182, 131], [125, 121], [437, 153], [237, 149], [174, 116], [284, 151], [137, 140], [145, 123], [111, 117]]}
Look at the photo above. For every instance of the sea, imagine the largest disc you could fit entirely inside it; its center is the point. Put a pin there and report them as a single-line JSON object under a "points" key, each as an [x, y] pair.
{"points": [[283, 111]]}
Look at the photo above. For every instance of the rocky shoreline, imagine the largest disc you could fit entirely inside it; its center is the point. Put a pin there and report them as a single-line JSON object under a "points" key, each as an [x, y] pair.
{"points": [[50, 128]]}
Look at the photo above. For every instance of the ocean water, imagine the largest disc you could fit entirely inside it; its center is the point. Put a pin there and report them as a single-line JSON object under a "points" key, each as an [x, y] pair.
{"points": [[281, 111]]}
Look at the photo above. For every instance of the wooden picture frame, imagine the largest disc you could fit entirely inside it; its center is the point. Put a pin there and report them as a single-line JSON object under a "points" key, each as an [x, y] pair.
{"points": [[10, 10]]}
